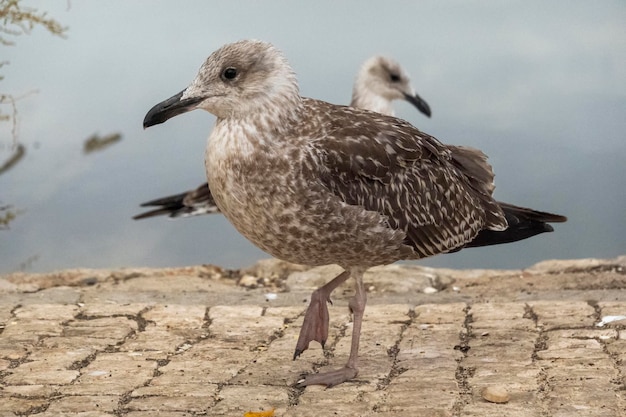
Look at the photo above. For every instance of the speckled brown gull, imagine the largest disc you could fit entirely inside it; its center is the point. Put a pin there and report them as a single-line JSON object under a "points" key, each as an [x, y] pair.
{"points": [[379, 82], [315, 183]]}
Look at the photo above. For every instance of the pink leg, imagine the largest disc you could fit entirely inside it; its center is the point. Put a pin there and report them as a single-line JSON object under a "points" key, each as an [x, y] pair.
{"points": [[350, 370], [315, 325]]}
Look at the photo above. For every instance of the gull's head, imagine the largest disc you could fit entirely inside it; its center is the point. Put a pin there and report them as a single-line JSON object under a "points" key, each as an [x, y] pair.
{"points": [[383, 79], [237, 80]]}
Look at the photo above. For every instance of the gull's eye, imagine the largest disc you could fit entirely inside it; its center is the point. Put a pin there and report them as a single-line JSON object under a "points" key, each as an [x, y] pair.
{"points": [[229, 73], [394, 77]]}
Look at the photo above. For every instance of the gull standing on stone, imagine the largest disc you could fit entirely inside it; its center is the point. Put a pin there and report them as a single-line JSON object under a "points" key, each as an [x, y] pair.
{"points": [[314, 183], [380, 81]]}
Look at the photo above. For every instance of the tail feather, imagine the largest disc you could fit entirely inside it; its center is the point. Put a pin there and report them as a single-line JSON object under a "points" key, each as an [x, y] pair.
{"points": [[523, 223], [191, 203], [153, 213]]}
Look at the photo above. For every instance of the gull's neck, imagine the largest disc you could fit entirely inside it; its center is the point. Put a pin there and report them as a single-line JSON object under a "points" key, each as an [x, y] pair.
{"points": [[364, 98], [261, 130]]}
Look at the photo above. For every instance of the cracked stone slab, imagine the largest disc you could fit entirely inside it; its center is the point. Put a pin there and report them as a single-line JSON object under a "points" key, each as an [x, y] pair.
{"points": [[201, 340]]}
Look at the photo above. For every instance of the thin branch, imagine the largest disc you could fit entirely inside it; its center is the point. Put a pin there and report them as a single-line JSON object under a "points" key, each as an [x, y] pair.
{"points": [[18, 20]]}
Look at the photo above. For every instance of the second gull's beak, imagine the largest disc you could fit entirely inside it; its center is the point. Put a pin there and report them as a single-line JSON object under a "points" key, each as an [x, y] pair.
{"points": [[418, 102]]}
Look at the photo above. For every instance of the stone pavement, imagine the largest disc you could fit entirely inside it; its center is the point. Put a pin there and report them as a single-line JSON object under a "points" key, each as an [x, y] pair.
{"points": [[203, 341]]}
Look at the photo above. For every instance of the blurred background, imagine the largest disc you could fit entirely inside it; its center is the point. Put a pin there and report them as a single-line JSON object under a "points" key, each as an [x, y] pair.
{"points": [[540, 87]]}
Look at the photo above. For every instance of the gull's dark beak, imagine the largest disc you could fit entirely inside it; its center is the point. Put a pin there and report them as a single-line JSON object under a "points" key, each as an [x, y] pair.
{"points": [[169, 108], [418, 102]]}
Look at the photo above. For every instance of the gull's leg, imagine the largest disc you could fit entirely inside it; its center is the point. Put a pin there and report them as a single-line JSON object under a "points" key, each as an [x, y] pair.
{"points": [[350, 370], [315, 325]]}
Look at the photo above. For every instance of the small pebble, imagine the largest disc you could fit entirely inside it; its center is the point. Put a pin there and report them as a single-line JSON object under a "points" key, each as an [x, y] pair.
{"points": [[429, 290], [496, 394], [90, 281], [184, 347], [271, 296], [609, 319], [456, 289], [248, 281]]}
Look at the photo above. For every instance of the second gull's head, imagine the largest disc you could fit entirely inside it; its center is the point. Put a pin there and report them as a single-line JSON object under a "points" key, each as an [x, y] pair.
{"points": [[382, 80]]}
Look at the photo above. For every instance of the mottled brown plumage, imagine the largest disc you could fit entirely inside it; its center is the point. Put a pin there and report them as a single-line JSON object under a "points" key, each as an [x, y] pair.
{"points": [[315, 183], [379, 82]]}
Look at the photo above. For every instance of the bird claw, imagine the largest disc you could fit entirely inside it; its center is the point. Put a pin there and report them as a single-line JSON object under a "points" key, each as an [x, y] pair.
{"points": [[328, 379], [315, 324]]}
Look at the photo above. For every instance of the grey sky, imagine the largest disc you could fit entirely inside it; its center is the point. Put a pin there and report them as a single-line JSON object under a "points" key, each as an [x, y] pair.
{"points": [[539, 86]]}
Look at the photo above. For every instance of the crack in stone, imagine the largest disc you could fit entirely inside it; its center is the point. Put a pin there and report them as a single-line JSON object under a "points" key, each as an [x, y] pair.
{"points": [[530, 314], [206, 324], [597, 312], [137, 318], [294, 393], [543, 385], [34, 410], [393, 352], [141, 321], [14, 309], [463, 373], [329, 349], [187, 344], [78, 365], [141, 327], [157, 372], [14, 363], [218, 390], [125, 398], [277, 334], [543, 390], [619, 382], [540, 344]]}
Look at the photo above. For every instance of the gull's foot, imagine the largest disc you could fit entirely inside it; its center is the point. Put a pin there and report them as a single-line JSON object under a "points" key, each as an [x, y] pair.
{"points": [[329, 379], [315, 325]]}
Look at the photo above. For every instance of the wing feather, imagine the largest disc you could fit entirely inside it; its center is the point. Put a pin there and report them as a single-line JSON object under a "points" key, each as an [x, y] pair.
{"points": [[439, 196]]}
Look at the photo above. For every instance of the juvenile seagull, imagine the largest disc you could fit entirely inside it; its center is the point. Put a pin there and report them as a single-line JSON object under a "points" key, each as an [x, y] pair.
{"points": [[315, 183], [380, 81]]}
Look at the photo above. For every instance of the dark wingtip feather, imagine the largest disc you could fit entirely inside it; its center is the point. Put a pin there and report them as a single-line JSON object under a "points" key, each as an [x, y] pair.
{"points": [[523, 223], [152, 213]]}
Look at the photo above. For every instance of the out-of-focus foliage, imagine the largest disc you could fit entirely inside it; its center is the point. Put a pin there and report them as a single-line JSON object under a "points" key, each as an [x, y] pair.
{"points": [[18, 20], [15, 20], [96, 142], [7, 215], [20, 151]]}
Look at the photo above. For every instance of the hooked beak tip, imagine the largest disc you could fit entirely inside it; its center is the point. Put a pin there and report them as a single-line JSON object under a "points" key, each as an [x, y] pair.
{"points": [[169, 108]]}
